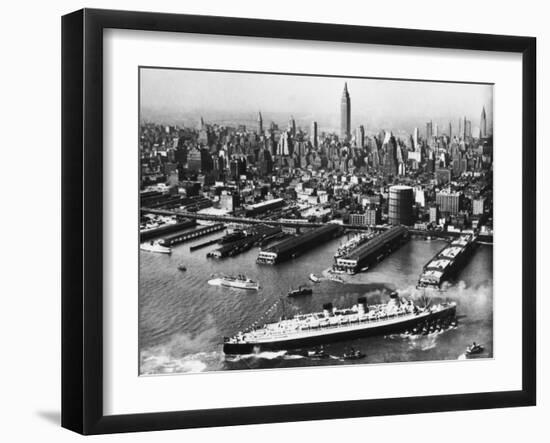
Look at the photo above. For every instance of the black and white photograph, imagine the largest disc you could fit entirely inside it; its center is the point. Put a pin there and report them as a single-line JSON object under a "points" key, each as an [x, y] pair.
{"points": [[307, 220]]}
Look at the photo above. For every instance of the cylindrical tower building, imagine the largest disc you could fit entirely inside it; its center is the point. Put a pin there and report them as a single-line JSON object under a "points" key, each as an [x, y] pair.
{"points": [[400, 207]]}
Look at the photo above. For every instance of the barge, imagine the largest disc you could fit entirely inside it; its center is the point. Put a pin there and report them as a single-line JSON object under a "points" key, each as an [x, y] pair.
{"points": [[447, 262]]}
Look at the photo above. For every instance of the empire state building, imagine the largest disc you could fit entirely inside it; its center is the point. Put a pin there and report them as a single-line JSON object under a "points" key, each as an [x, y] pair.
{"points": [[345, 114]]}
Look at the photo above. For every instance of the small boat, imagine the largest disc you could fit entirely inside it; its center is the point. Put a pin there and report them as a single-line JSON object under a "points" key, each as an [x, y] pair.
{"points": [[182, 267], [353, 355], [314, 278], [155, 246], [366, 268], [318, 353], [302, 290], [474, 348]]}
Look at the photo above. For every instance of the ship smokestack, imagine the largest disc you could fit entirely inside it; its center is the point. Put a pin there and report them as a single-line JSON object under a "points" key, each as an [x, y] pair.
{"points": [[362, 304], [327, 309]]}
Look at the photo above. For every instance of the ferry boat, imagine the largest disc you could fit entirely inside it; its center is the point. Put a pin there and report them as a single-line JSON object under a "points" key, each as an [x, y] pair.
{"points": [[155, 246], [302, 290], [447, 262], [332, 324], [240, 282]]}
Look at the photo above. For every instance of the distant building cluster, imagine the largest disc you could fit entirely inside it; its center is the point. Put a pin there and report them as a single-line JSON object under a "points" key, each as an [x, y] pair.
{"points": [[442, 180]]}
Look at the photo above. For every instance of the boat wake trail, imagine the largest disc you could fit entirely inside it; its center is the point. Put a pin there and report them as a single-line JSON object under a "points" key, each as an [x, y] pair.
{"points": [[265, 355], [183, 353], [163, 364]]}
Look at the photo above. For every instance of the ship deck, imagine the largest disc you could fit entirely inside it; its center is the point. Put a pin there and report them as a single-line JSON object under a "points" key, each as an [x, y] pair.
{"points": [[279, 332]]}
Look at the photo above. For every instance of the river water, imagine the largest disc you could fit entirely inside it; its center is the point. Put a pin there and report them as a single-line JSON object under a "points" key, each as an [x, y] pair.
{"points": [[183, 319]]}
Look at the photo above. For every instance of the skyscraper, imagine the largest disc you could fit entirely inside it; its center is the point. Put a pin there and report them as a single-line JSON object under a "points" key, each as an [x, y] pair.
{"points": [[292, 127], [313, 134], [450, 131], [483, 124], [345, 114], [260, 124], [360, 137], [415, 139], [429, 131]]}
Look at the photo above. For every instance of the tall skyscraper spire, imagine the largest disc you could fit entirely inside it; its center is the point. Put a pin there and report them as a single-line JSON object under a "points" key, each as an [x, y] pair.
{"points": [[345, 114], [260, 124], [483, 124]]}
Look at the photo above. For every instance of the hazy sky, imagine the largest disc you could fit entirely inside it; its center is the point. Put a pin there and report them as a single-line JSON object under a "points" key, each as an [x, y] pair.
{"points": [[182, 96]]}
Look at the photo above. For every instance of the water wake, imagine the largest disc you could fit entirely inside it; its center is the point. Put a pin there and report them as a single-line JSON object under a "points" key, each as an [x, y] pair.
{"points": [[265, 355]]}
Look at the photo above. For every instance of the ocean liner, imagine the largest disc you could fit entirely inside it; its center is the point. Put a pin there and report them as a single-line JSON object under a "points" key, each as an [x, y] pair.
{"points": [[333, 324]]}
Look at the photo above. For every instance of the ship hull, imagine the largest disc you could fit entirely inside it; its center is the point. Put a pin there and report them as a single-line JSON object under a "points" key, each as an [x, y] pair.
{"points": [[335, 335]]}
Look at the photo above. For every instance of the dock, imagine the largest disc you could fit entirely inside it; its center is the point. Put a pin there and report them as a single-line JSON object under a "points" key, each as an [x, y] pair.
{"points": [[167, 228], [294, 246], [185, 236], [254, 236], [372, 251]]}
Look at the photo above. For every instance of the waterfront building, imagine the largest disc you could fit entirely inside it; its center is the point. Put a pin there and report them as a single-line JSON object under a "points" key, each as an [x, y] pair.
{"points": [[434, 214], [229, 201], [371, 217], [449, 202], [478, 206], [345, 114], [263, 207], [400, 205]]}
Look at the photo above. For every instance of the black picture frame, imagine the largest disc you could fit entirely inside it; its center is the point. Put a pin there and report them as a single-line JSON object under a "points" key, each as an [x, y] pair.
{"points": [[82, 218]]}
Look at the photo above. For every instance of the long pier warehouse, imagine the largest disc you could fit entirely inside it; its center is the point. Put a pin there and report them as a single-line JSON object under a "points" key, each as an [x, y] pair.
{"points": [[292, 247], [372, 251]]}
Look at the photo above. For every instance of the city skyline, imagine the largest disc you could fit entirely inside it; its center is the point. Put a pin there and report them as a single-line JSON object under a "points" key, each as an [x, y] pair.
{"points": [[176, 96]]}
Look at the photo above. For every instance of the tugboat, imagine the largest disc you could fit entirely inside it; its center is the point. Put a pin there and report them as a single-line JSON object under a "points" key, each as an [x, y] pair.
{"points": [[317, 353], [240, 282], [302, 290], [473, 349], [353, 355]]}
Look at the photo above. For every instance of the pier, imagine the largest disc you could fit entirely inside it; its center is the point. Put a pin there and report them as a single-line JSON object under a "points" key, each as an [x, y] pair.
{"points": [[372, 251], [256, 235], [203, 245], [294, 246], [166, 229], [185, 236]]}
